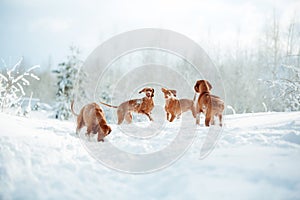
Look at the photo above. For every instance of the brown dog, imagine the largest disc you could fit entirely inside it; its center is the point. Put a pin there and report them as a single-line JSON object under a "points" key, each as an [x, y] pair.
{"points": [[142, 106], [175, 107], [210, 105], [92, 116]]}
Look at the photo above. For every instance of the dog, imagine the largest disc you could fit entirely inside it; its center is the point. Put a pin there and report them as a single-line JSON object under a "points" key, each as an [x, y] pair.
{"points": [[141, 106], [208, 104], [92, 116], [174, 107]]}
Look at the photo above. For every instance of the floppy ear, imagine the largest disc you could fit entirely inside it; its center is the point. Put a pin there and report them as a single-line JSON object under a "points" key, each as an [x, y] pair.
{"points": [[109, 130], [196, 87], [209, 85], [141, 91], [174, 92], [105, 128], [152, 92], [163, 89]]}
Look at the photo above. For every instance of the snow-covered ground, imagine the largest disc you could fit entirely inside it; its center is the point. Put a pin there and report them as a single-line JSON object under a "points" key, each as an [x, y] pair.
{"points": [[256, 157]]}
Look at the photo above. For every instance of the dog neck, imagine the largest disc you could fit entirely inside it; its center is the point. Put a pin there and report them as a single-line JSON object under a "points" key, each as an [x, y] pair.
{"points": [[203, 93], [170, 99], [147, 98]]}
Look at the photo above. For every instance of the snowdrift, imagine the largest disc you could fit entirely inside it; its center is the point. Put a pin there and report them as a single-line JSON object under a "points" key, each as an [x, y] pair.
{"points": [[257, 156]]}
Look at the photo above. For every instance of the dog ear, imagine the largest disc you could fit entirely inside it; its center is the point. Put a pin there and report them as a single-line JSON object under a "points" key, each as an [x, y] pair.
{"points": [[163, 90], [109, 130], [105, 128], [152, 92], [209, 85], [141, 91], [196, 87], [174, 92]]}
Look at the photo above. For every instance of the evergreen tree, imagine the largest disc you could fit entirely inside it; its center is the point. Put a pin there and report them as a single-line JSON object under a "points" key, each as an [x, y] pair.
{"points": [[68, 74]]}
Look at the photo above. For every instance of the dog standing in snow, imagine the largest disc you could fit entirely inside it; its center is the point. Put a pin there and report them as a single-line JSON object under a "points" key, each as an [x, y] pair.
{"points": [[92, 116], [142, 106], [208, 104], [174, 107]]}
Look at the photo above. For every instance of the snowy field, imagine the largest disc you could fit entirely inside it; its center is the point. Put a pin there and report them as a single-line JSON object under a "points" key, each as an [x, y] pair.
{"points": [[257, 157]]}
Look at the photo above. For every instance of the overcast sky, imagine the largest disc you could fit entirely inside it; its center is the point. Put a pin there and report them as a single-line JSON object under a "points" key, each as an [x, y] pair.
{"points": [[39, 29]]}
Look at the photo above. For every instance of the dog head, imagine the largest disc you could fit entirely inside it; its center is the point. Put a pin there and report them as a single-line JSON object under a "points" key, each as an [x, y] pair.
{"points": [[202, 86], [148, 91], [168, 93], [105, 131]]}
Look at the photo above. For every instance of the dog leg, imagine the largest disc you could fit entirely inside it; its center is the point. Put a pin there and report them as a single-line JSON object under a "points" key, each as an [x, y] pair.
{"points": [[197, 118], [207, 120], [168, 116], [120, 116], [172, 118], [88, 132], [80, 124], [88, 135], [212, 120], [148, 115], [128, 117], [208, 116], [193, 111], [220, 119], [100, 138], [78, 129]]}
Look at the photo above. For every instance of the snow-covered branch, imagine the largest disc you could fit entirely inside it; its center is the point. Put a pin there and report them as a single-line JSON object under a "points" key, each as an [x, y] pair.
{"points": [[12, 83]]}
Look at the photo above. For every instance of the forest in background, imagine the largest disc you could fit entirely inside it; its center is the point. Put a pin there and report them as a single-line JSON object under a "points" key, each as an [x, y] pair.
{"points": [[263, 77]]}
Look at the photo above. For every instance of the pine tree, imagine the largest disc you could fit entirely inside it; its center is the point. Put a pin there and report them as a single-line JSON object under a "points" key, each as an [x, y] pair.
{"points": [[68, 74]]}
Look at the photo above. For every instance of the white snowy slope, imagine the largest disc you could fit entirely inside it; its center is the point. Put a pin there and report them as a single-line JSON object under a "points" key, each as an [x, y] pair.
{"points": [[256, 157]]}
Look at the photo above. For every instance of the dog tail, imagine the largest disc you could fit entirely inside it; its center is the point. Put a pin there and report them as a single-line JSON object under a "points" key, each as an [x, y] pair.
{"points": [[108, 105], [72, 108]]}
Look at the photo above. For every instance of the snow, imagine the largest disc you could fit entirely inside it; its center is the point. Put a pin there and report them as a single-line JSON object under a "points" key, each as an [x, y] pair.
{"points": [[257, 156]]}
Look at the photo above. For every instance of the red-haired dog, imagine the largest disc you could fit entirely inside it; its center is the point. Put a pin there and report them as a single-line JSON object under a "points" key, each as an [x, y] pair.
{"points": [[92, 116], [210, 105], [174, 107], [142, 106]]}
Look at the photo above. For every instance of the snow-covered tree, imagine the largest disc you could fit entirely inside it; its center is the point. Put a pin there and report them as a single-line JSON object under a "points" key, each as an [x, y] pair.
{"points": [[12, 84], [288, 89], [263, 76], [284, 87], [68, 74]]}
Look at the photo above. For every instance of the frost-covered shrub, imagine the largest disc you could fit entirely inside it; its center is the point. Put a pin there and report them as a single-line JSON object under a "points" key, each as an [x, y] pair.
{"points": [[286, 89], [12, 84], [290, 89]]}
